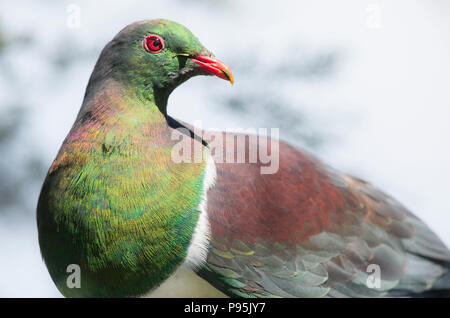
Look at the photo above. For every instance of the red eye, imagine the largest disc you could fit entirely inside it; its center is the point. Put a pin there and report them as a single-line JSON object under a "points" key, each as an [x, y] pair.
{"points": [[154, 43]]}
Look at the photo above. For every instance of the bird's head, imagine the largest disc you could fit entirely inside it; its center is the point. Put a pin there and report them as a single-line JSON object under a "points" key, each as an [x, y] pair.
{"points": [[156, 56]]}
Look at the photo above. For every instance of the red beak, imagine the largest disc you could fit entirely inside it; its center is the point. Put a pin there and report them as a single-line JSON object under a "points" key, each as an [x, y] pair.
{"points": [[215, 67]]}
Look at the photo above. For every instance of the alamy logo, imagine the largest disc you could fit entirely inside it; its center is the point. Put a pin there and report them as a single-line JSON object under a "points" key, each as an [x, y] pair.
{"points": [[74, 279], [374, 278], [74, 16], [248, 145], [374, 17]]}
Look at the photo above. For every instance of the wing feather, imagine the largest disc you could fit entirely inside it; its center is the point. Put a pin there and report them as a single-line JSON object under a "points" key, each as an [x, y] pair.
{"points": [[309, 231]]}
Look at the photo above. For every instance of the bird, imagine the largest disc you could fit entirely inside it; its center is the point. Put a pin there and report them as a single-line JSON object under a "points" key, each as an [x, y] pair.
{"points": [[137, 222]]}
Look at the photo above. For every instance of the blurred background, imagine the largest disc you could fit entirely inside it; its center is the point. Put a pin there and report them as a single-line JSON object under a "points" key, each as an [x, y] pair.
{"points": [[364, 85]]}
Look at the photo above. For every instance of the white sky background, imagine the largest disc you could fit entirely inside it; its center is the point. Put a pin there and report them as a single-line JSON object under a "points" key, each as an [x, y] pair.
{"points": [[394, 79]]}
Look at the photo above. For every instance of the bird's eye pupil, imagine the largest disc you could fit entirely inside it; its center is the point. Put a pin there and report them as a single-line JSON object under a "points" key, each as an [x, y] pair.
{"points": [[153, 44]]}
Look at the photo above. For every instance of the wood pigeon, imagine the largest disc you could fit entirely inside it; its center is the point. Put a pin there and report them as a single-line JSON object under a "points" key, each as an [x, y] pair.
{"points": [[136, 222]]}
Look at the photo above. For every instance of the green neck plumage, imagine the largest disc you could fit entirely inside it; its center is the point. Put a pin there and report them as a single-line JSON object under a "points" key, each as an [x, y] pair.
{"points": [[114, 202]]}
